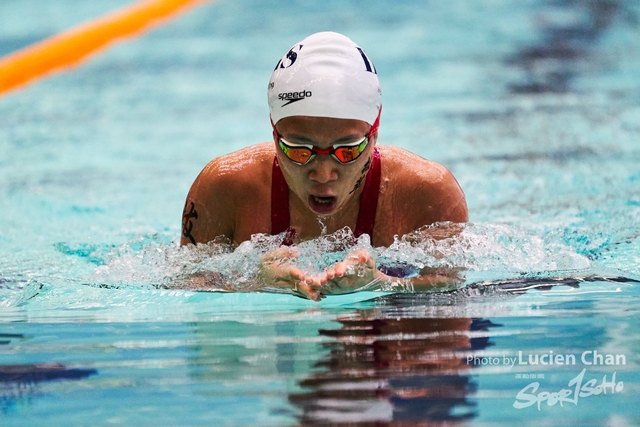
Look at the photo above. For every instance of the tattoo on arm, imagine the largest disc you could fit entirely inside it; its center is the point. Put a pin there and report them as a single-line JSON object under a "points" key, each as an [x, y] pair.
{"points": [[364, 174], [187, 222]]}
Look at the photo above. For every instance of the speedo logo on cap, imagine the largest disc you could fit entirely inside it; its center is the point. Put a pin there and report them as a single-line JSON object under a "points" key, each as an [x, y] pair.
{"points": [[292, 97]]}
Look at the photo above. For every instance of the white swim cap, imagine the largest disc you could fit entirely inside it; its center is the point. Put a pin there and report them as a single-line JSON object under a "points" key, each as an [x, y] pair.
{"points": [[325, 75]]}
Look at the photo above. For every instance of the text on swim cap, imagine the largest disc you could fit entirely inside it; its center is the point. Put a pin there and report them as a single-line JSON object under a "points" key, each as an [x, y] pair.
{"points": [[292, 97], [291, 56], [367, 62]]}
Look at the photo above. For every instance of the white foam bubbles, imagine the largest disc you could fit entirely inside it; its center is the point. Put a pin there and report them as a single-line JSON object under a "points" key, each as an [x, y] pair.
{"points": [[491, 250]]}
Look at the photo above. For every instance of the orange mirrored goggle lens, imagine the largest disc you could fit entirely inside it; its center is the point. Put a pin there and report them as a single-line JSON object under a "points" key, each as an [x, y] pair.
{"points": [[302, 154]]}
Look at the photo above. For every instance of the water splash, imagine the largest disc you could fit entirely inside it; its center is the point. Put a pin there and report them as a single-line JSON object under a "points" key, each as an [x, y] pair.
{"points": [[488, 250], [483, 247]]}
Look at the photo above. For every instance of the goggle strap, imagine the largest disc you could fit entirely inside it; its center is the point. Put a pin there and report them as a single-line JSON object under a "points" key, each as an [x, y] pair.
{"points": [[375, 125], [276, 135]]}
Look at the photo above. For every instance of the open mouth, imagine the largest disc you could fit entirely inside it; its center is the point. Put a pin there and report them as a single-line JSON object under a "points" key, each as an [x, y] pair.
{"points": [[322, 204]]}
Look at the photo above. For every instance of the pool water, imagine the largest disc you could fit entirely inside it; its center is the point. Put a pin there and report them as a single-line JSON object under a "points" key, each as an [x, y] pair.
{"points": [[533, 105]]}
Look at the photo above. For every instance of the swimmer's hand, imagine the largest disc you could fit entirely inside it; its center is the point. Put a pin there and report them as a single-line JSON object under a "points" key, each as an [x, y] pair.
{"points": [[358, 272], [278, 271]]}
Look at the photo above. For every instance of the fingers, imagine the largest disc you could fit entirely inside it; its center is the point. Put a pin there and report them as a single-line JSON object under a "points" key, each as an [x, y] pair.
{"points": [[330, 273], [341, 268], [354, 259], [361, 257], [356, 269], [310, 287]]}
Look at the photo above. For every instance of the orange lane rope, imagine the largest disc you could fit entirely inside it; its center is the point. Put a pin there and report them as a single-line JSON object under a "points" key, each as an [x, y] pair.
{"points": [[75, 45]]}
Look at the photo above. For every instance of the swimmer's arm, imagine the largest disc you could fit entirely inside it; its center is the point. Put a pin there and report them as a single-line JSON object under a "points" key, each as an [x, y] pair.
{"points": [[276, 273], [215, 281], [209, 209], [449, 205], [424, 282]]}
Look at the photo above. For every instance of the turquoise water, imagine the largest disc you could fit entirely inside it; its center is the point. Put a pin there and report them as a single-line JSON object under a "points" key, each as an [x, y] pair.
{"points": [[534, 107]]}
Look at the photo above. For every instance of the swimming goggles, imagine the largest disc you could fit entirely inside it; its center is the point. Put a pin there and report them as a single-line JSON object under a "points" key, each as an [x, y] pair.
{"points": [[301, 154]]}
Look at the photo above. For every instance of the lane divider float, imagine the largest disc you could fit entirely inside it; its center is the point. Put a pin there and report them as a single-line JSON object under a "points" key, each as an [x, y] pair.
{"points": [[75, 45]]}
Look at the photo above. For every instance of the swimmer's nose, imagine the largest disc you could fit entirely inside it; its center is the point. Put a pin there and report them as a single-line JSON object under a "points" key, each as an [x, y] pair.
{"points": [[323, 170]]}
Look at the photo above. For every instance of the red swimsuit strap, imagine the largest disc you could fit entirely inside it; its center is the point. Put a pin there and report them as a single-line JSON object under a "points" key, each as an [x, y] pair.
{"points": [[280, 220], [369, 200], [279, 200]]}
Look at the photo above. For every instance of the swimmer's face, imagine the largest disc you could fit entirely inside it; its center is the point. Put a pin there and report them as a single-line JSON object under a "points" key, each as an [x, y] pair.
{"points": [[324, 185]]}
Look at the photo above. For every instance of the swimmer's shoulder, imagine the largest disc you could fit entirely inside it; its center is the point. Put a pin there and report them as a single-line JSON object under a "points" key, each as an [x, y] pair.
{"points": [[231, 189], [242, 169], [424, 183], [401, 163]]}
